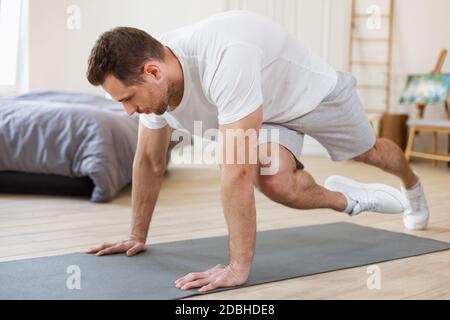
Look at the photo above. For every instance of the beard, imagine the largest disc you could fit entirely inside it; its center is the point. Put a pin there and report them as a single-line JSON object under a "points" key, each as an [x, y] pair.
{"points": [[162, 108], [163, 103]]}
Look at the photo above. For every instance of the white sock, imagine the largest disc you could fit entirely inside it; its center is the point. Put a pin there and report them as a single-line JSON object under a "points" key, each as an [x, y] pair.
{"points": [[350, 204], [415, 187]]}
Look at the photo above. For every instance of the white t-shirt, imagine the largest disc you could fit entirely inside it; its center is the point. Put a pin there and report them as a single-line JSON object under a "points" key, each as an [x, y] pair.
{"points": [[237, 61]]}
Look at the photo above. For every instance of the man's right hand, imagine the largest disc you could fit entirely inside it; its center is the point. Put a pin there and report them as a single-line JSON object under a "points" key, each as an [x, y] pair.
{"points": [[131, 247], [149, 165]]}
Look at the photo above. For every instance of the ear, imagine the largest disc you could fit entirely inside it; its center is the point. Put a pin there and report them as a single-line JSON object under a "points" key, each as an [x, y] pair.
{"points": [[153, 70]]}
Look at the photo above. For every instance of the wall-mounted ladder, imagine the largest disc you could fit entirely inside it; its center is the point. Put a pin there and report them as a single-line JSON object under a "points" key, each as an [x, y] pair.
{"points": [[388, 19]]}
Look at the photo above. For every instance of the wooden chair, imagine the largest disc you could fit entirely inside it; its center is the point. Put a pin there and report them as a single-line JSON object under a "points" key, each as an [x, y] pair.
{"points": [[424, 125], [433, 126]]}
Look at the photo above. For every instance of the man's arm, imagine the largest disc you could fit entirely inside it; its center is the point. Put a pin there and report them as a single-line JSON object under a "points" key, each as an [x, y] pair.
{"points": [[239, 207], [237, 188], [148, 172]]}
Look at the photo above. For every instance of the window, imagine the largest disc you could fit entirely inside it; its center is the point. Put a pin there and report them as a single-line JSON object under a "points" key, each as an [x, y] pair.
{"points": [[10, 12]]}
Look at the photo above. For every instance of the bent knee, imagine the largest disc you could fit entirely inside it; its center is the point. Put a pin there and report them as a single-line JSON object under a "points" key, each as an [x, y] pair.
{"points": [[276, 188], [365, 157], [371, 156], [268, 184]]}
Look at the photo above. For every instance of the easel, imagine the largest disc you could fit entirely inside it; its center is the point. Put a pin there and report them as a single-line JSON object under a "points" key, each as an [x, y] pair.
{"points": [[433, 126], [437, 69]]}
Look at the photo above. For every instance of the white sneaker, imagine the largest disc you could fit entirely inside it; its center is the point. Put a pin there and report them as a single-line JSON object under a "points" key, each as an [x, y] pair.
{"points": [[417, 215], [368, 197]]}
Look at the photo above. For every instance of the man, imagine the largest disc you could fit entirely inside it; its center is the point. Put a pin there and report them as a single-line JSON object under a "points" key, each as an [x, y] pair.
{"points": [[241, 71]]}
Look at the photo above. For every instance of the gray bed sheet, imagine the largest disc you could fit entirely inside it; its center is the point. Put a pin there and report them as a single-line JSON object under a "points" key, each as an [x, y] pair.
{"points": [[69, 134]]}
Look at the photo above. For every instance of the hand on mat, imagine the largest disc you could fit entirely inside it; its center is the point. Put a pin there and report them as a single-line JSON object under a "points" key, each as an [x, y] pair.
{"points": [[219, 276], [131, 246]]}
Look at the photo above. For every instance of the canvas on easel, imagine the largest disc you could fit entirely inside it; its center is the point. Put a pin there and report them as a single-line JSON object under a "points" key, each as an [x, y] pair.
{"points": [[426, 88]]}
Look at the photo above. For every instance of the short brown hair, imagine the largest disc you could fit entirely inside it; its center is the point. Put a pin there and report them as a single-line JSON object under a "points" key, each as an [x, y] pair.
{"points": [[122, 52]]}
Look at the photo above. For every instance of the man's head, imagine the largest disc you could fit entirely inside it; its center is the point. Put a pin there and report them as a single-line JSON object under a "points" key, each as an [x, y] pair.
{"points": [[133, 68]]}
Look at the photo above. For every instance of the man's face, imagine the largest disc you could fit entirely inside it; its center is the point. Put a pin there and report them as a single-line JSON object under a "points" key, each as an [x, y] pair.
{"points": [[151, 96]]}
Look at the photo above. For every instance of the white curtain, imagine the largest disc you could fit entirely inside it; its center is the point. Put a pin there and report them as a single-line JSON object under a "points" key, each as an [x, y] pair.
{"points": [[12, 37]]}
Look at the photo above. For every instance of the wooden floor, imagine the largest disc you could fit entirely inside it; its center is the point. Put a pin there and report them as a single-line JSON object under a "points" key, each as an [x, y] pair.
{"points": [[189, 207]]}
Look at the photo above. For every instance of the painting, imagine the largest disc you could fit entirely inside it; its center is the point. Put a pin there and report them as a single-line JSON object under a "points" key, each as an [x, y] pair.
{"points": [[426, 88]]}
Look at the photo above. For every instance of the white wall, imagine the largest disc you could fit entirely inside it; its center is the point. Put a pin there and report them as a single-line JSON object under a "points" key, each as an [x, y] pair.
{"points": [[58, 55], [421, 30], [47, 44]]}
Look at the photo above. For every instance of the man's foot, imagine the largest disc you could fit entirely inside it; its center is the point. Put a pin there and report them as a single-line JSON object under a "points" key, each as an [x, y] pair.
{"points": [[367, 197], [417, 215]]}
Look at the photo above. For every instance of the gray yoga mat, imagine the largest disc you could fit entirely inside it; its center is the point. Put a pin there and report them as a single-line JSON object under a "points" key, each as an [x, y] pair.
{"points": [[280, 254]]}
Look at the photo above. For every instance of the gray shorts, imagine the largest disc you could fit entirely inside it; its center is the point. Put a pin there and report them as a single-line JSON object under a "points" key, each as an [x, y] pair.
{"points": [[339, 124]]}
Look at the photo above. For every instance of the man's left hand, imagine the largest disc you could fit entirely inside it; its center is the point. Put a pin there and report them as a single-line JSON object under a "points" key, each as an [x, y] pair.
{"points": [[219, 276]]}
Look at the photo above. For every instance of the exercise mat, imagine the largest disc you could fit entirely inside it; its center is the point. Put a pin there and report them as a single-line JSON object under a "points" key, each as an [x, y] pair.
{"points": [[280, 254]]}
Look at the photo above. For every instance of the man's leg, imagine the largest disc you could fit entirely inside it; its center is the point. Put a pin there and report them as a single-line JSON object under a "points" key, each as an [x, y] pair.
{"points": [[387, 156], [297, 189], [294, 187]]}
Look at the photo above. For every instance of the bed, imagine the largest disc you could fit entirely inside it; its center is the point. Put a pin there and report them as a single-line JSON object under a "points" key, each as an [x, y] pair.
{"points": [[65, 143]]}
